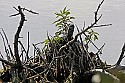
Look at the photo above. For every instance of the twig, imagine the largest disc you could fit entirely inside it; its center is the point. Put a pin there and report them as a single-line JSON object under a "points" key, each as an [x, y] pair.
{"points": [[14, 15], [21, 55], [27, 48], [96, 12], [23, 10], [58, 60], [15, 8], [4, 67], [92, 43], [102, 25], [39, 52], [121, 56], [80, 35], [22, 46], [1, 55], [30, 69], [7, 43], [7, 62], [84, 25], [100, 49], [47, 69], [5, 48], [30, 11]]}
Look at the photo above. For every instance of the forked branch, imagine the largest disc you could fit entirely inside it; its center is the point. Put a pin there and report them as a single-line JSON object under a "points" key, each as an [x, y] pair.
{"points": [[83, 31], [17, 36]]}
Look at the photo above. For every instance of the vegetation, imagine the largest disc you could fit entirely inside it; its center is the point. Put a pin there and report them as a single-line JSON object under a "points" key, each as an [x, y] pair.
{"points": [[63, 59]]}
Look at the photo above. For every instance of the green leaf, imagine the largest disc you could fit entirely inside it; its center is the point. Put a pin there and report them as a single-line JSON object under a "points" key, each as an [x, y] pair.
{"points": [[67, 13], [87, 38], [72, 17], [96, 33], [61, 11], [58, 20], [68, 10], [56, 34], [46, 41], [64, 9], [95, 37], [57, 24], [63, 20], [58, 14]]}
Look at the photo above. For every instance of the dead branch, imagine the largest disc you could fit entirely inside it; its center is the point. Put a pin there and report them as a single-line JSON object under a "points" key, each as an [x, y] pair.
{"points": [[39, 53], [3, 64], [121, 56], [17, 36], [83, 31], [15, 8], [80, 35], [5, 48], [100, 49], [96, 12], [8, 43], [27, 47], [23, 10], [7, 62], [30, 11], [14, 15], [22, 46], [102, 25], [1, 55]]}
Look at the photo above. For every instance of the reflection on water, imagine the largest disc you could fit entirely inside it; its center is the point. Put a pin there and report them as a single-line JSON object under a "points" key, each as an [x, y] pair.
{"points": [[83, 10]]}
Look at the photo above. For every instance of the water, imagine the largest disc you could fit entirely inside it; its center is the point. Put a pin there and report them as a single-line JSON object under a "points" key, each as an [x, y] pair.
{"points": [[83, 10]]}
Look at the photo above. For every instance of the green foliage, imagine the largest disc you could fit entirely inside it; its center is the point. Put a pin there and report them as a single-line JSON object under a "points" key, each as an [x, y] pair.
{"points": [[53, 40], [62, 23], [91, 35], [63, 20]]}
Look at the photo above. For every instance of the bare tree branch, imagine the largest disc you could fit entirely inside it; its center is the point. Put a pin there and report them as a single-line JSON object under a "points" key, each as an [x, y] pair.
{"points": [[14, 15], [22, 46], [8, 43], [102, 25], [15, 8], [17, 37], [121, 56], [7, 62], [5, 48], [89, 27], [30, 11], [96, 12], [27, 47]]}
